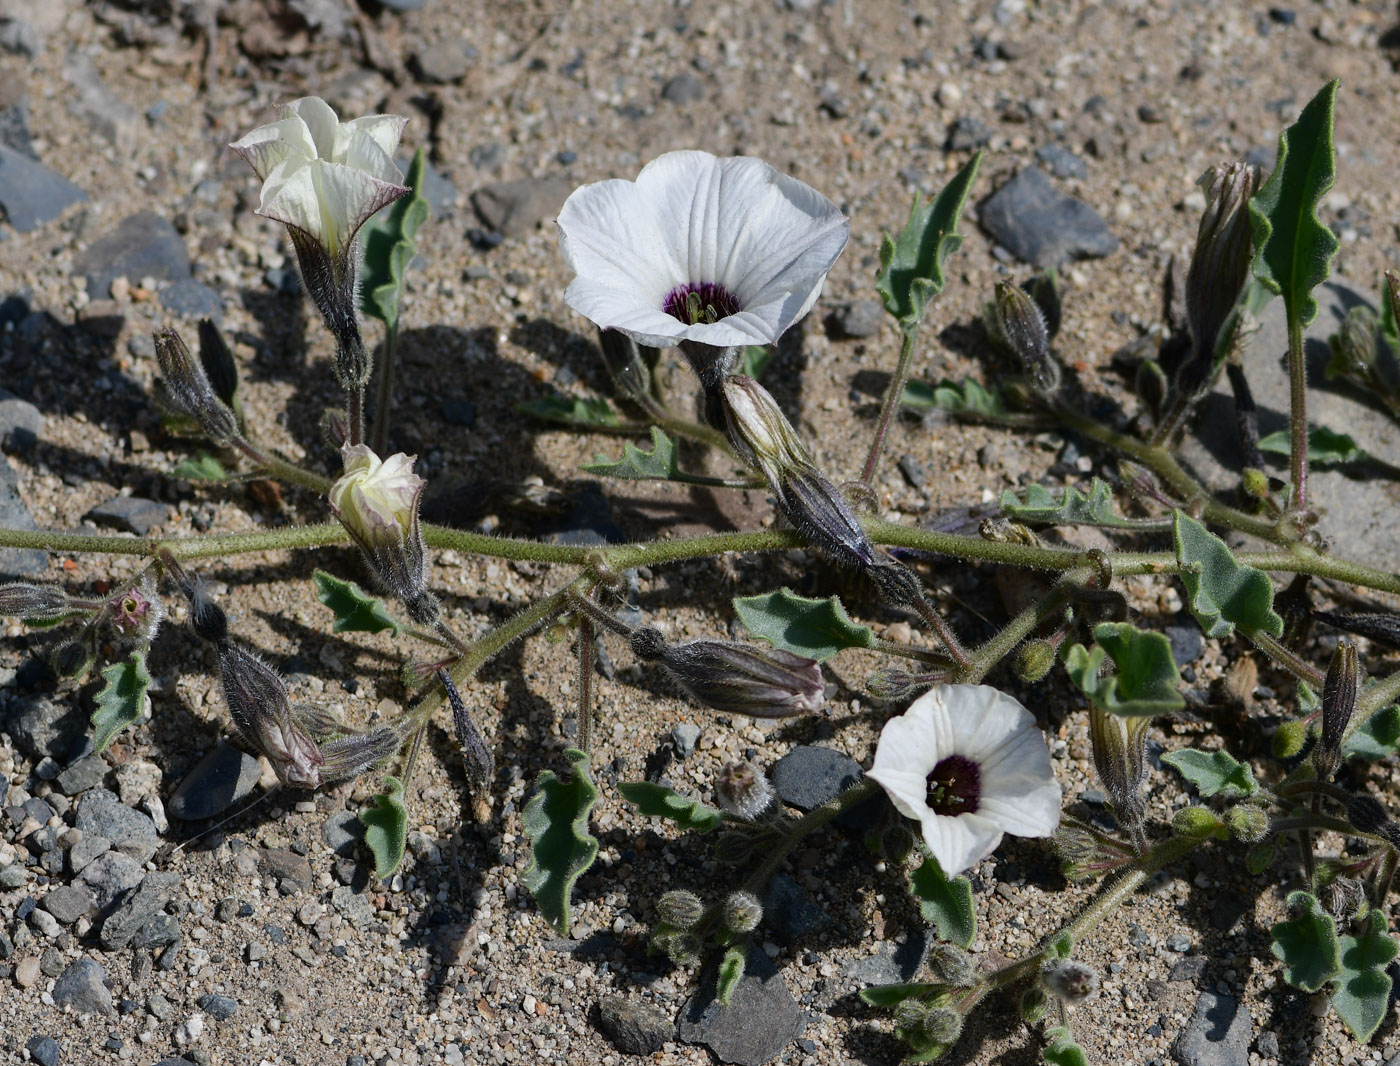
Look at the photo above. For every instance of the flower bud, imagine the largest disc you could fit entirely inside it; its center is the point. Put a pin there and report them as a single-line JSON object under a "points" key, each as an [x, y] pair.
{"points": [[728, 676], [951, 965], [1366, 813], [1255, 483], [37, 603], [137, 612], [909, 1014], [1069, 981], [1289, 738], [742, 912], [1342, 897], [74, 658], [682, 948], [743, 790], [680, 908], [1199, 822], [1248, 824], [217, 360], [893, 683], [1034, 1003], [1151, 385], [188, 390], [1120, 756], [258, 704], [1338, 704], [1353, 347], [1021, 324], [940, 1025], [1382, 628], [622, 356], [476, 756], [351, 756], [1085, 853], [1034, 660]]}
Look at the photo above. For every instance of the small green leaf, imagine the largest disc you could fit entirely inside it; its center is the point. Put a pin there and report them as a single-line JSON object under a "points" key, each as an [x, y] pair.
{"points": [[893, 995], [1386, 327], [562, 848], [119, 703], [203, 467], [1062, 946], [1307, 945], [1377, 737], [386, 827], [755, 358], [572, 411], [638, 465], [1145, 682], [817, 629], [658, 801], [1221, 593], [390, 243], [1363, 989], [1260, 857], [966, 398], [1061, 1050], [1293, 249], [356, 611], [911, 265], [1324, 446], [1072, 508], [731, 971], [1213, 772], [945, 904]]}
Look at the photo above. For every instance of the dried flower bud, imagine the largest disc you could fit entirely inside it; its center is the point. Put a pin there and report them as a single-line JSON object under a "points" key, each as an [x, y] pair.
{"points": [[258, 704], [1353, 347], [743, 790], [1069, 981], [476, 756], [1366, 813], [38, 603], [1382, 628], [951, 965], [680, 908], [1342, 897], [623, 358], [728, 676], [1022, 325], [742, 912], [893, 683], [207, 618], [189, 390], [1288, 739], [1086, 854], [1199, 822], [1120, 756], [1034, 660], [1248, 824], [353, 755], [1338, 704]]}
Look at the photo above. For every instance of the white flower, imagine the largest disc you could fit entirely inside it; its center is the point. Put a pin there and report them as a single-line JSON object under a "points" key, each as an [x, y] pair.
{"points": [[968, 763], [377, 500], [322, 176], [717, 251]]}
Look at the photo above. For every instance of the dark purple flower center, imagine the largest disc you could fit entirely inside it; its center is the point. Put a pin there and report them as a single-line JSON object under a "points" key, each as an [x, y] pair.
{"points": [[955, 786], [705, 302]]}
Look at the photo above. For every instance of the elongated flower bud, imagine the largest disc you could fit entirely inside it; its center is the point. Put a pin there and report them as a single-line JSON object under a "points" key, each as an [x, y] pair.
{"points": [[1353, 346], [74, 658], [217, 360], [1382, 628], [743, 790], [742, 912], [353, 755], [39, 603], [476, 756], [680, 908], [1120, 757], [1034, 660], [941, 1025], [258, 704], [1022, 325], [623, 357], [1199, 822], [1367, 813], [728, 676], [1338, 705], [1069, 981], [189, 391], [951, 965]]}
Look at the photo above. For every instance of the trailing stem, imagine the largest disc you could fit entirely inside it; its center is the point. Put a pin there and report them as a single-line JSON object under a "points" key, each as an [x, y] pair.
{"points": [[894, 394]]}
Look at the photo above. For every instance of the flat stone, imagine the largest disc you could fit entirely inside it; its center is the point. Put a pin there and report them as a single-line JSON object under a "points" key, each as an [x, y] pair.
{"points": [[516, 208], [137, 907], [111, 874], [161, 931], [82, 987], [193, 300], [352, 906], [789, 913], [445, 62], [760, 1020], [42, 726], [218, 781], [12, 876], [1041, 225], [131, 832], [1192, 968], [32, 194], [634, 1026], [684, 737], [342, 832], [143, 245], [82, 775], [94, 101], [809, 775], [286, 865], [44, 1050], [27, 972], [82, 854], [683, 89], [1218, 1033], [21, 423], [1062, 162], [892, 963], [857, 319], [967, 133], [69, 903], [130, 513], [220, 1008], [14, 514], [14, 119]]}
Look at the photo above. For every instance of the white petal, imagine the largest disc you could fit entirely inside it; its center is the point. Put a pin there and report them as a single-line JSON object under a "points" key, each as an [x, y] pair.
{"points": [[362, 152], [383, 130], [289, 195], [321, 120], [269, 145], [612, 236], [907, 790], [613, 308], [907, 741], [1032, 813], [959, 843]]}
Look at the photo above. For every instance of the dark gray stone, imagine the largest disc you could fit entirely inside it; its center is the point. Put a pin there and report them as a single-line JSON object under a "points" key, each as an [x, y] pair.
{"points": [[111, 874], [438, 190], [1187, 640], [968, 133], [69, 903], [82, 775], [131, 832], [516, 208], [218, 781], [808, 776], [914, 471], [44, 1050], [634, 1026], [459, 413], [136, 908], [192, 300], [14, 120], [130, 513], [1062, 162], [161, 931], [760, 1020], [20, 421], [82, 987], [43, 726], [857, 319], [143, 245], [1217, 1034], [343, 831], [220, 1008], [1041, 225], [684, 737], [445, 62], [683, 89], [789, 913], [892, 963], [403, 5], [1192, 968], [14, 514], [32, 194]]}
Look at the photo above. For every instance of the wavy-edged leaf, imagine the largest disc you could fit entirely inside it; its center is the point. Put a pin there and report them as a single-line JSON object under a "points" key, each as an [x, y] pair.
{"points": [[1221, 593], [203, 467], [1324, 446], [356, 611], [911, 265], [1145, 681], [966, 398], [754, 359], [817, 629], [893, 995], [572, 411], [562, 848], [946, 903], [1061, 1050], [1307, 945], [731, 972], [1213, 772], [1073, 507], [119, 703], [386, 827], [658, 801], [638, 464], [1377, 737], [1363, 990], [390, 243], [1293, 250]]}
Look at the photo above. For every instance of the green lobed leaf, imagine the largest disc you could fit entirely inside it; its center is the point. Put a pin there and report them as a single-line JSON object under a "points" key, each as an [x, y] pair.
{"points": [[1074, 507], [386, 827], [571, 411], [638, 465], [754, 359], [817, 629], [893, 995], [658, 801], [1221, 593], [204, 467], [945, 904], [1213, 772], [562, 848], [911, 265], [356, 611], [390, 243], [1293, 250], [1324, 446], [1307, 945], [1061, 1050], [731, 971], [119, 703], [1145, 682], [966, 398], [1377, 737], [1363, 990]]}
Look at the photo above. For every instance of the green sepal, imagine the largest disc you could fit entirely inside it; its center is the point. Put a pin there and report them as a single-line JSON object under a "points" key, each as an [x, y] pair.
{"points": [[562, 848], [658, 801], [1307, 945], [1324, 446], [731, 971], [817, 629], [1072, 508], [356, 611], [966, 397], [1221, 593], [390, 243], [893, 995], [1213, 772], [659, 464], [1362, 998], [590, 411], [1061, 1050], [1376, 737], [386, 827], [204, 467], [119, 703], [946, 903]]}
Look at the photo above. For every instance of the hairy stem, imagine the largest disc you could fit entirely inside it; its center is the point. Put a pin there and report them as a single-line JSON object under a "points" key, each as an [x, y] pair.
{"points": [[1297, 411], [894, 393], [384, 389], [804, 827]]}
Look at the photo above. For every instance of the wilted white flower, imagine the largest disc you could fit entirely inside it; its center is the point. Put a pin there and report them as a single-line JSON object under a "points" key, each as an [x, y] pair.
{"points": [[968, 763], [717, 251], [376, 499], [322, 176]]}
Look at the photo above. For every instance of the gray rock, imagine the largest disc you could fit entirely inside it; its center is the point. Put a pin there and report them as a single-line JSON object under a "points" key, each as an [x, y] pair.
{"points": [[1267, 1045], [12, 876], [438, 189], [161, 931], [82, 987], [52, 963], [343, 831], [760, 1020], [516, 208], [100, 813], [789, 913], [684, 737], [111, 874], [634, 1026], [218, 781], [14, 120], [93, 100], [968, 133], [44, 1050], [130, 513], [285, 865], [1355, 516], [808, 776], [7, 946], [45, 923], [1187, 640], [445, 62], [220, 1008], [914, 471], [43, 726], [14, 514], [1041, 225], [352, 906], [1062, 162], [82, 854], [857, 319], [403, 5], [892, 963], [19, 37], [192, 300], [683, 89], [82, 775], [142, 245], [32, 194], [1192, 968], [20, 421], [136, 908], [1217, 1034], [69, 903]]}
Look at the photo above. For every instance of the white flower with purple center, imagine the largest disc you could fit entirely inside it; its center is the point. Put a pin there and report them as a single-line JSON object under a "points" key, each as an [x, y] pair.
{"points": [[717, 251], [968, 763]]}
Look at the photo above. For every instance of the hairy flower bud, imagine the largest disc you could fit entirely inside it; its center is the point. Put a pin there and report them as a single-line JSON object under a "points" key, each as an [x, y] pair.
{"points": [[682, 948], [742, 912], [258, 704], [680, 908], [1199, 822], [909, 1014], [189, 391], [1034, 660], [893, 683], [1353, 347], [1069, 981], [1338, 704], [1120, 756], [743, 790], [1288, 739], [1366, 813], [137, 611], [622, 356], [951, 965], [1034, 1003], [940, 1025], [1248, 824], [353, 755], [74, 658], [1342, 897], [1021, 324], [739, 678], [38, 603], [476, 756]]}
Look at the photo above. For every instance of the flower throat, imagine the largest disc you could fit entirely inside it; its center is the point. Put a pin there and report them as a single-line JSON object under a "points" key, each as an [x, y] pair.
{"points": [[706, 302], [955, 786]]}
